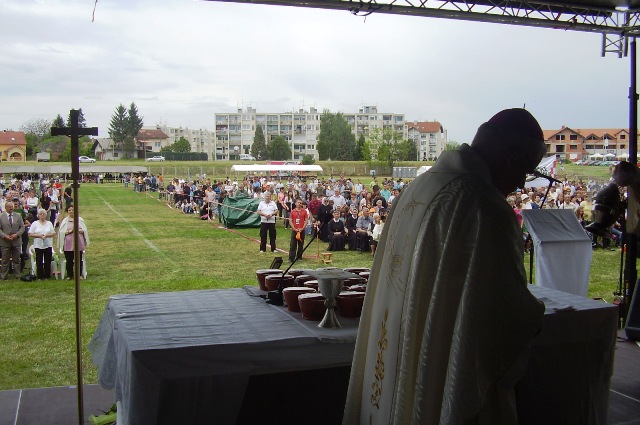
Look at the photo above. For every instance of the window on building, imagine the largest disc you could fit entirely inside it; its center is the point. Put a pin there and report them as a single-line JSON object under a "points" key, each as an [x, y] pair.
{"points": [[589, 147], [622, 137], [573, 137], [559, 136], [623, 146], [573, 147], [559, 148]]}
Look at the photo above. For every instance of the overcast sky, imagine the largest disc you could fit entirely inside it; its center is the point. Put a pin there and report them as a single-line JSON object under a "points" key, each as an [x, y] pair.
{"points": [[182, 61]]}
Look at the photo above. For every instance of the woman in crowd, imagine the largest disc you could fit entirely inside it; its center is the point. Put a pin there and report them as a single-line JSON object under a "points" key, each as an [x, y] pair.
{"points": [[66, 242], [337, 233], [378, 220], [32, 202], [42, 233], [287, 205]]}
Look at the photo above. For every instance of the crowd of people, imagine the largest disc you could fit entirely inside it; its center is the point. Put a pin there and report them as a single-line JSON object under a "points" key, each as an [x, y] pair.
{"points": [[571, 195], [37, 208], [343, 212]]}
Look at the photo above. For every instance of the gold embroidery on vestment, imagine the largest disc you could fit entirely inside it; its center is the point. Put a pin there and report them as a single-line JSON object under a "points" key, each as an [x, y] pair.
{"points": [[379, 369]]}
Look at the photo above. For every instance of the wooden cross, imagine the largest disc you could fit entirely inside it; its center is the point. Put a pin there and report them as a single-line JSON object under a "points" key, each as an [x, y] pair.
{"points": [[74, 132]]}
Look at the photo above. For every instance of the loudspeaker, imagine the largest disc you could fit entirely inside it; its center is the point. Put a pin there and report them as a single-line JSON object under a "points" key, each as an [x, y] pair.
{"points": [[632, 328]]}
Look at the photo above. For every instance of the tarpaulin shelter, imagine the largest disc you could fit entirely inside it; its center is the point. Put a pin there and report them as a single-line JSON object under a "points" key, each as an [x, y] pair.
{"points": [[240, 211]]}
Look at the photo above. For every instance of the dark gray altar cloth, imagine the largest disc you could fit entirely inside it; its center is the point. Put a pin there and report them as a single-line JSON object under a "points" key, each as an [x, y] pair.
{"points": [[190, 356]]}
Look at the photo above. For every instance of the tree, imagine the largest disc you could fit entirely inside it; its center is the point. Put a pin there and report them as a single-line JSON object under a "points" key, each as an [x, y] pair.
{"points": [[308, 159], [118, 126], [279, 149], [385, 148], [452, 145], [38, 127], [85, 145], [180, 145], [359, 148], [407, 150], [58, 122], [335, 141], [259, 147], [82, 123], [134, 124]]}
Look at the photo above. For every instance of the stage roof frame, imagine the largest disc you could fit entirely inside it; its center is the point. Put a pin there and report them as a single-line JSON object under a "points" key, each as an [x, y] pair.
{"points": [[615, 19]]}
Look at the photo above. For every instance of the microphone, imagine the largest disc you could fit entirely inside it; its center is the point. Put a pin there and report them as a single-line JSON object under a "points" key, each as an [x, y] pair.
{"points": [[538, 174]]}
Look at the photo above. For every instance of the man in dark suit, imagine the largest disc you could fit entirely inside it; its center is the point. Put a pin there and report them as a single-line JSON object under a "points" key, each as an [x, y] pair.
{"points": [[11, 230]]}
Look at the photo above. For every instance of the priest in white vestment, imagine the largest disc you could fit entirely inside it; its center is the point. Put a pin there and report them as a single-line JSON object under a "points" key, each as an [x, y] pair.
{"points": [[448, 319]]}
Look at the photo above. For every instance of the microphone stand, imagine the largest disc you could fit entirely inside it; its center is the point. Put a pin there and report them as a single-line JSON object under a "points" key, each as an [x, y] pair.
{"points": [[275, 297]]}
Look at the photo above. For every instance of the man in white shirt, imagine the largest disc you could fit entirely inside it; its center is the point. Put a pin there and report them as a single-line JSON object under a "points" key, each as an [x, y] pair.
{"points": [[267, 210], [338, 200]]}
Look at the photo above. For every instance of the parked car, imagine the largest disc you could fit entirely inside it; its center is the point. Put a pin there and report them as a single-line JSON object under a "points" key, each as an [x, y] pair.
{"points": [[247, 157], [86, 159], [157, 158]]}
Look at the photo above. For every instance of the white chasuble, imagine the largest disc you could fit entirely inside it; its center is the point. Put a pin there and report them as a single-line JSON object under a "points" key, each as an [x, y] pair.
{"points": [[448, 318]]}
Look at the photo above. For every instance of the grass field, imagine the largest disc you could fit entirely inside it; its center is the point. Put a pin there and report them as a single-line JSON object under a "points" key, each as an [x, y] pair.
{"points": [[138, 244]]}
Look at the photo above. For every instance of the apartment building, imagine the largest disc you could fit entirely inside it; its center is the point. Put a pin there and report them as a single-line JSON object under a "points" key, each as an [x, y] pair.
{"points": [[369, 119], [235, 132], [201, 140], [430, 138], [579, 144]]}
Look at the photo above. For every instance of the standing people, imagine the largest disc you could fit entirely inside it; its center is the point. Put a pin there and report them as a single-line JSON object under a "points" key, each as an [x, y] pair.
{"points": [[66, 242], [267, 210], [11, 230], [298, 221], [42, 233], [447, 323]]}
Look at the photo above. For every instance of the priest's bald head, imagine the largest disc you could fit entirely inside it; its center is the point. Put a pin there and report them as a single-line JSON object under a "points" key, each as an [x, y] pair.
{"points": [[512, 145]]}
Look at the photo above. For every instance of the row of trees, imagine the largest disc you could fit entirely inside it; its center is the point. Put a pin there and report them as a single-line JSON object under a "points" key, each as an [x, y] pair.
{"points": [[277, 149], [336, 141], [124, 127]]}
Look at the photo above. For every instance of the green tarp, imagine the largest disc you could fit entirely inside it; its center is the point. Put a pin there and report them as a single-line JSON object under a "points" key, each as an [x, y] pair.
{"points": [[240, 211]]}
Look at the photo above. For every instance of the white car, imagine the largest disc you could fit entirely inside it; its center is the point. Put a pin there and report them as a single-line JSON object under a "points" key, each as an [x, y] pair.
{"points": [[86, 159], [155, 158]]}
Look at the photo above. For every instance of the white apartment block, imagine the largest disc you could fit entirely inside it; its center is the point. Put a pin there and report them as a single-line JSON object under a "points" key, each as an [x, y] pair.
{"points": [[202, 141], [430, 138], [368, 119], [235, 132]]}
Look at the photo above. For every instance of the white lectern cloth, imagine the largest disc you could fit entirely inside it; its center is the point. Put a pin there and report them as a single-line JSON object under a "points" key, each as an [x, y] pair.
{"points": [[562, 250]]}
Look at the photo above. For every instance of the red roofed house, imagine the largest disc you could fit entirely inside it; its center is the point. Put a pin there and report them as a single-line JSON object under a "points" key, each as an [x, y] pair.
{"points": [[151, 141], [13, 146], [579, 143], [430, 139]]}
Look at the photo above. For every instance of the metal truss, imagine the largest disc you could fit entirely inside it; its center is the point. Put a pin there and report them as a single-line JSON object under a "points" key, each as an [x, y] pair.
{"points": [[581, 15]]}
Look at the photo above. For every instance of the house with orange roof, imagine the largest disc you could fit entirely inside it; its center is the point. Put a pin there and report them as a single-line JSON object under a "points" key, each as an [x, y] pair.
{"points": [[430, 139], [583, 143], [13, 146]]}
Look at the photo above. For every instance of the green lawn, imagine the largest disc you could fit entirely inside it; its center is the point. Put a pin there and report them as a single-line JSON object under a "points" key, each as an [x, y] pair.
{"points": [[138, 244]]}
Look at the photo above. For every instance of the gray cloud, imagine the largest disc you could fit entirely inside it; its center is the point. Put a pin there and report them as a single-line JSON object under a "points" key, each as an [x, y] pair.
{"points": [[182, 61]]}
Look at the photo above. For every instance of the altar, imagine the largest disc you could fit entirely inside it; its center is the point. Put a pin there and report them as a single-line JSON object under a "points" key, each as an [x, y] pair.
{"points": [[227, 357]]}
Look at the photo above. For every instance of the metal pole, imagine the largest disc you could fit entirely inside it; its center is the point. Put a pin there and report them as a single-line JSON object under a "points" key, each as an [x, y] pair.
{"points": [[75, 178], [630, 271]]}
